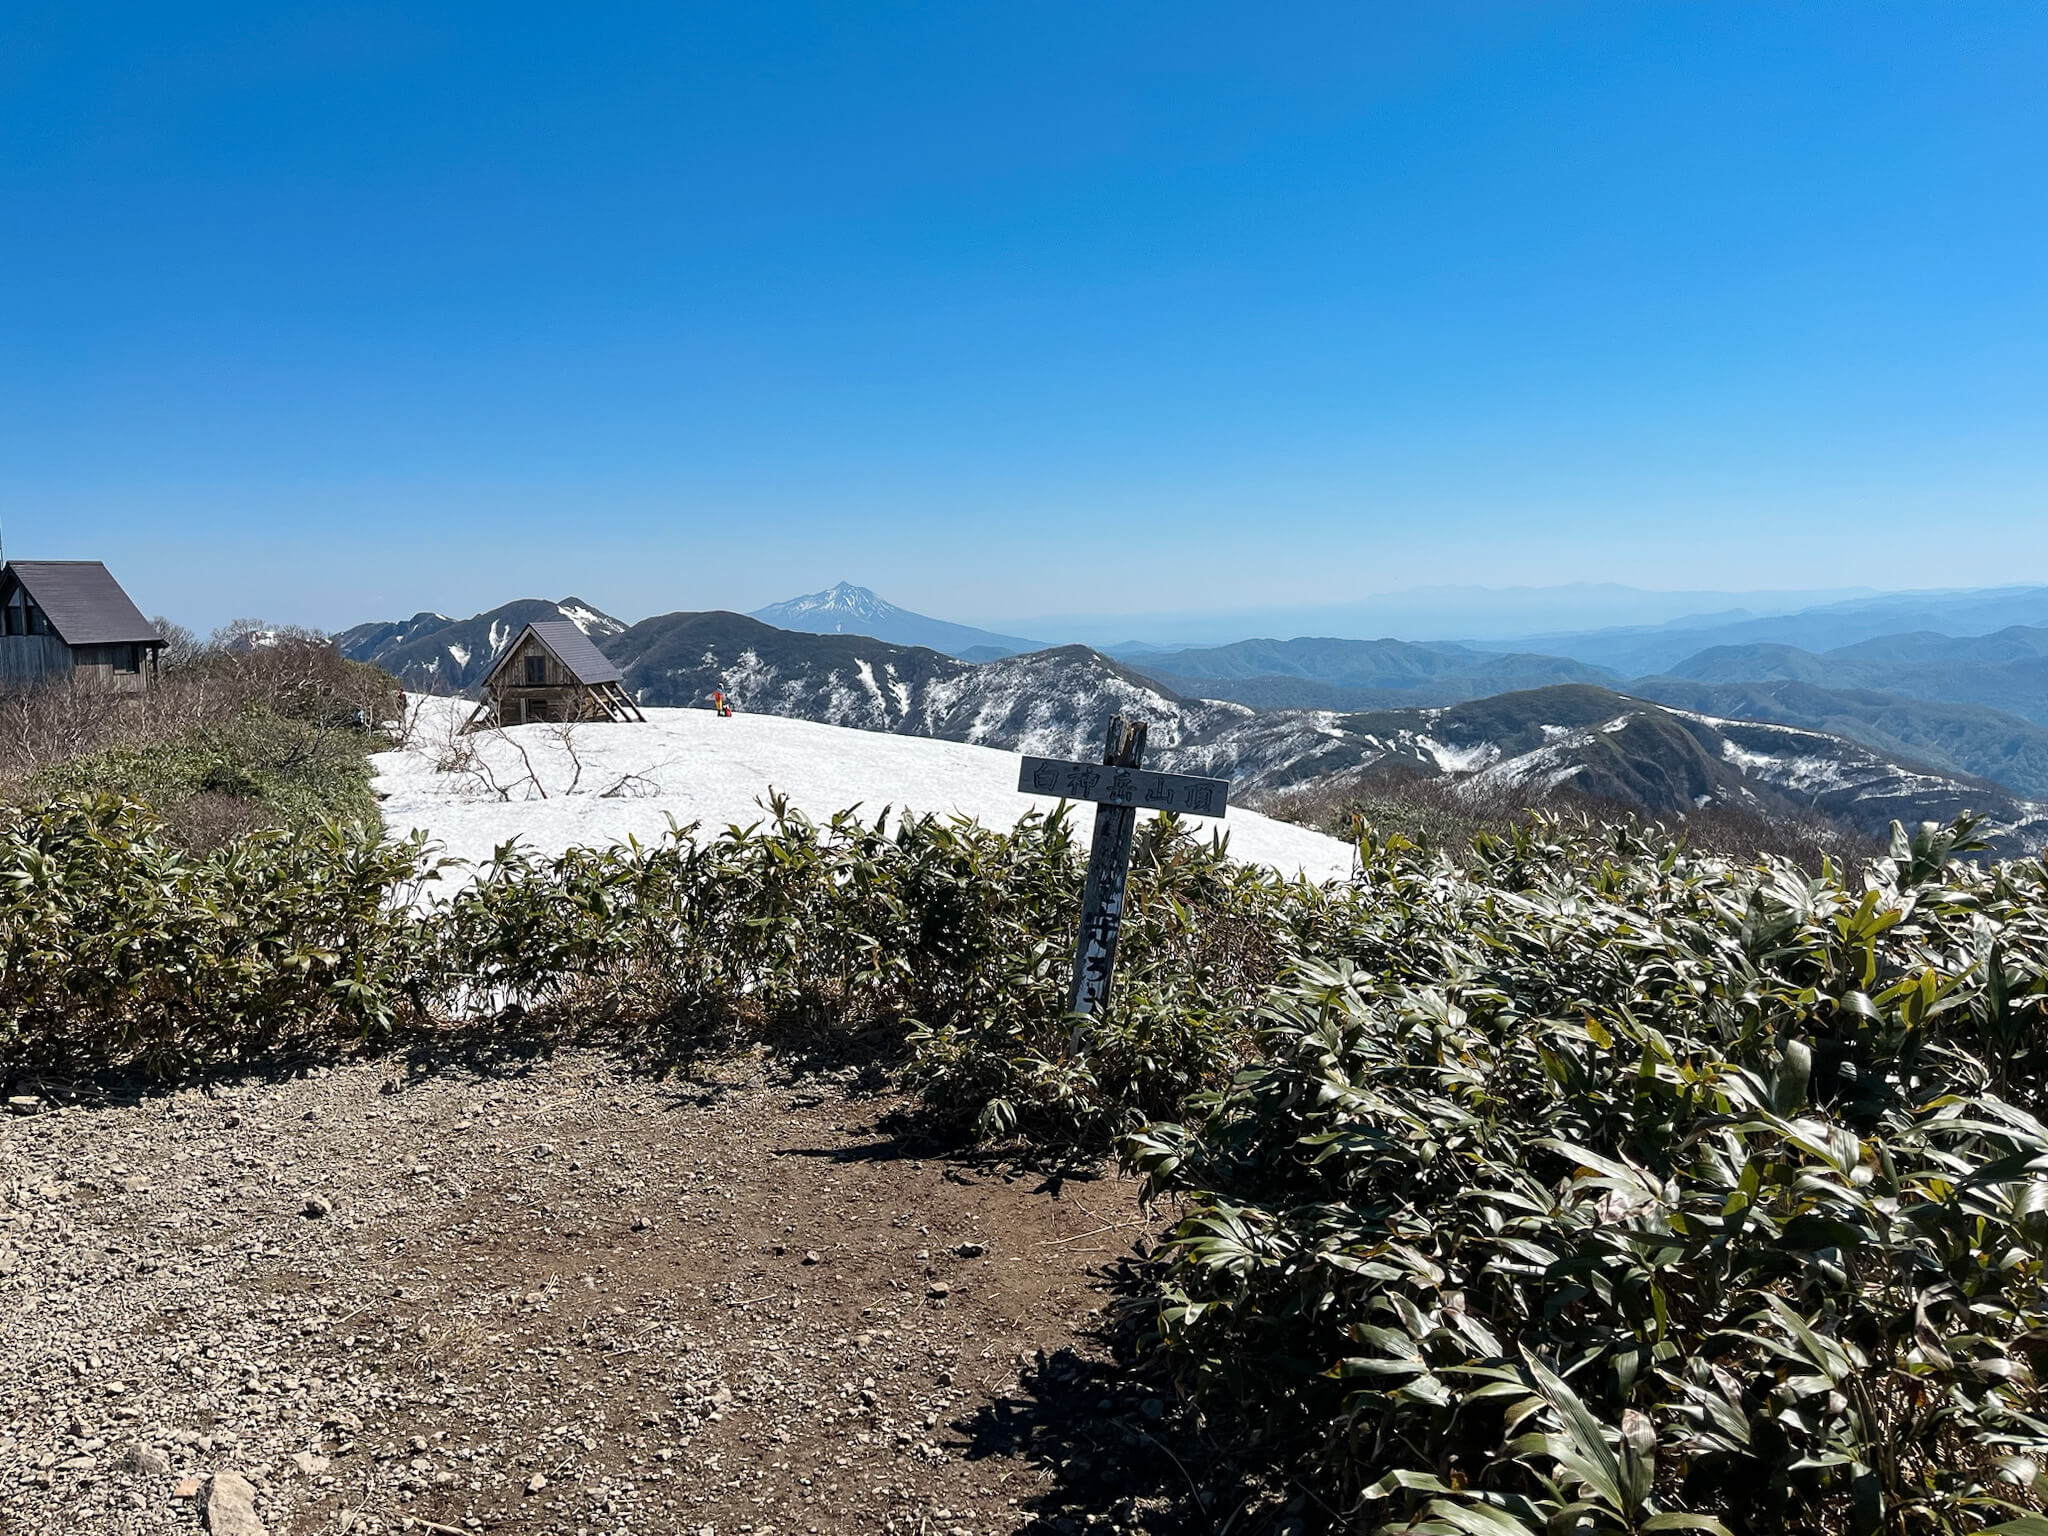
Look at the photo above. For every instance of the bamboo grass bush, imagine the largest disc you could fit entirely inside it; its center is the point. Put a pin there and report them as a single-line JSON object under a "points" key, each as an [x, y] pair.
{"points": [[1581, 1184], [1614, 1190], [116, 945]]}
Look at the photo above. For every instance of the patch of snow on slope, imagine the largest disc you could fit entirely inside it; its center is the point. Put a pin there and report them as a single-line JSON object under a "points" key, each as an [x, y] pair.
{"points": [[1549, 765], [696, 767], [941, 696], [996, 709], [748, 675], [1803, 773], [459, 652], [1793, 734], [1452, 759], [1813, 774], [865, 669], [591, 622], [849, 708], [1746, 760], [2029, 828]]}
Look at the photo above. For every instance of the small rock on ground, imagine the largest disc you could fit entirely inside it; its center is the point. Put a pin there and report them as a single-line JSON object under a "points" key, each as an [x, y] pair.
{"points": [[231, 1506]]}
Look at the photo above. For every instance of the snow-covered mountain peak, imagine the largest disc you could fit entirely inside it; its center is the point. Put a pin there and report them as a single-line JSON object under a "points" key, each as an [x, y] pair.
{"points": [[593, 622], [849, 610], [843, 601]]}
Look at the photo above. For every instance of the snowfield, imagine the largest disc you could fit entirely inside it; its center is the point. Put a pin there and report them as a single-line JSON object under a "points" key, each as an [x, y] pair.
{"points": [[597, 784]]}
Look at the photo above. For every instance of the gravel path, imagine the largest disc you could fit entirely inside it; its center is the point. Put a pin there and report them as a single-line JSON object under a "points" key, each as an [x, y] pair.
{"points": [[551, 1296]]}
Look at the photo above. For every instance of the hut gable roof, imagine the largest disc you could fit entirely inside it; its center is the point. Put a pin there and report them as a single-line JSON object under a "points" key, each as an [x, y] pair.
{"points": [[83, 602], [571, 647]]}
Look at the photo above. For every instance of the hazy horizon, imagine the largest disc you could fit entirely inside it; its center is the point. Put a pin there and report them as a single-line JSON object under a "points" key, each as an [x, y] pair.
{"points": [[1476, 614]]}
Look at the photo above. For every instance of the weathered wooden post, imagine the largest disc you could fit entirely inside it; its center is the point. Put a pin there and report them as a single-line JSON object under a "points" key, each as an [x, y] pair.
{"points": [[1109, 870], [1120, 787]]}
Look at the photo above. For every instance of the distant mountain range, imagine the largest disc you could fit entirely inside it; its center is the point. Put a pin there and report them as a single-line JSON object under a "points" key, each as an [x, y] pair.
{"points": [[850, 610], [1641, 753], [1358, 674], [2007, 670], [1629, 630], [1635, 651], [1974, 706], [1495, 616]]}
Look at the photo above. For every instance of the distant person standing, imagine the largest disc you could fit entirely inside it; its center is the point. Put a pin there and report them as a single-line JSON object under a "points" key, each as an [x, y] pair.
{"points": [[721, 703]]}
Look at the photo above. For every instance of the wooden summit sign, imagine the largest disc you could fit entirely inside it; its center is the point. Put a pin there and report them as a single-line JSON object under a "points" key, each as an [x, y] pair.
{"points": [[1121, 786]]}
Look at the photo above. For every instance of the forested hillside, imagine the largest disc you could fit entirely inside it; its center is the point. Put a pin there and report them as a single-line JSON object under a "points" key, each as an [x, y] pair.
{"points": [[1437, 673], [1967, 739], [2006, 671], [1643, 650]]}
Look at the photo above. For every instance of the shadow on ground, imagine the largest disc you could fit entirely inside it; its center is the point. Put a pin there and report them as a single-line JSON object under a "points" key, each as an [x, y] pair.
{"points": [[1113, 1447]]}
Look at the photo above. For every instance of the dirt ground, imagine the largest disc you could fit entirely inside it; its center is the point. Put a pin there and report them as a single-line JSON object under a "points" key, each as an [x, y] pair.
{"points": [[548, 1295]]}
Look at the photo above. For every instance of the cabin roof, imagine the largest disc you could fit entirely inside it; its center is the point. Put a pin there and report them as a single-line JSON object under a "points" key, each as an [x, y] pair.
{"points": [[83, 602], [571, 647]]}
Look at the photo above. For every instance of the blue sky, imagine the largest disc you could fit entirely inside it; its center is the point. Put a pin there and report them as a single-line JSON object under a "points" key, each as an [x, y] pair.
{"points": [[1005, 310]]}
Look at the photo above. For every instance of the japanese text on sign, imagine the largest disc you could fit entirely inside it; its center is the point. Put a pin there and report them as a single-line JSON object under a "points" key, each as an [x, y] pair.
{"points": [[1181, 793]]}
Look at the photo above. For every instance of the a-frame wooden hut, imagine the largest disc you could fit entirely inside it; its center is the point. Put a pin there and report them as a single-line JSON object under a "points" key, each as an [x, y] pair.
{"points": [[552, 671]]}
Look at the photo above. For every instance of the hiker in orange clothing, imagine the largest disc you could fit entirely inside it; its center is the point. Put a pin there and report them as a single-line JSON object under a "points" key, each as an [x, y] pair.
{"points": [[721, 703]]}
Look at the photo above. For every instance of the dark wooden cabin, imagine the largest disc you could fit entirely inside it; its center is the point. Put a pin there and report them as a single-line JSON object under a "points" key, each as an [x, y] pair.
{"points": [[69, 620], [552, 671]]}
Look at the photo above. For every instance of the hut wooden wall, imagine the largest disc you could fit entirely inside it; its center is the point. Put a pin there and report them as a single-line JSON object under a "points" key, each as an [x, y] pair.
{"points": [[116, 668], [33, 658], [561, 697]]}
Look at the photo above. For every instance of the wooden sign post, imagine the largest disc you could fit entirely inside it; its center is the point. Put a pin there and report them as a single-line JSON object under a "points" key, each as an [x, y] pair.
{"points": [[1121, 788]]}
